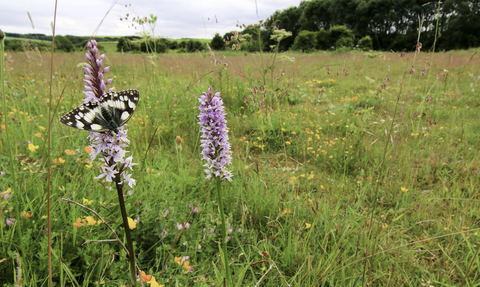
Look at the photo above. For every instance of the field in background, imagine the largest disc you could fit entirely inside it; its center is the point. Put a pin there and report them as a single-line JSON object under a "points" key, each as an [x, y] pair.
{"points": [[345, 143]]}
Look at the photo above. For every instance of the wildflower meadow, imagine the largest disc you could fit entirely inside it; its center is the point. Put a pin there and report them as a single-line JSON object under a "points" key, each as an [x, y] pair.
{"points": [[341, 168]]}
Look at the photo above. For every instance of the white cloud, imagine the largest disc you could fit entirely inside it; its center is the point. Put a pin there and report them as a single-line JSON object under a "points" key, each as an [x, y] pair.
{"points": [[176, 19]]}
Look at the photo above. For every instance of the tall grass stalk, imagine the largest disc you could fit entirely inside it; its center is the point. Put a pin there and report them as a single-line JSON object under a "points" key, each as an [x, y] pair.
{"points": [[49, 168], [7, 142]]}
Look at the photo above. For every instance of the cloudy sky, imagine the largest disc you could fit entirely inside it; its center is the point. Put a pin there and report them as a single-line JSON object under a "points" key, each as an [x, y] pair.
{"points": [[176, 19]]}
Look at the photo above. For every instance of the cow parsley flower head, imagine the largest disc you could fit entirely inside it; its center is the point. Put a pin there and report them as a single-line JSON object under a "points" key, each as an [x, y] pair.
{"points": [[214, 138]]}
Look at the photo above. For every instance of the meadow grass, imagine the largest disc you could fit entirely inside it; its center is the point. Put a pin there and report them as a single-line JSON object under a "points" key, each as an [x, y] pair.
{"points": [[336, 165]]}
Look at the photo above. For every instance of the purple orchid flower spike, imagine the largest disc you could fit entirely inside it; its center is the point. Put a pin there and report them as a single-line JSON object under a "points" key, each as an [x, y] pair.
{"points": [[94, 74], [110, 145], [214, 142]]}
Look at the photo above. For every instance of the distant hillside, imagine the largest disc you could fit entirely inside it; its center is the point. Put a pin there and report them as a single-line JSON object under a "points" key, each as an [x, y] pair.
{"points": [[69, 43], [74, 39]]}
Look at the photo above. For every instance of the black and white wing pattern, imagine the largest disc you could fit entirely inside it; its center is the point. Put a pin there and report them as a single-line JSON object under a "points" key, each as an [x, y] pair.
{"points": [[111, 111]]}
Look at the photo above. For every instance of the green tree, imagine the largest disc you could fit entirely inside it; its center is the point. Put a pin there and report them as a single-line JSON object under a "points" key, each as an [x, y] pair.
{"points": [[254, 40], [306, 41], [288, 19], [63, 44], [124, 45], [13, 45], [342, 36], [365, 43], [217, 42], [194, 46], [151, 45], [323, 40], [460, 24], [317, 12]]}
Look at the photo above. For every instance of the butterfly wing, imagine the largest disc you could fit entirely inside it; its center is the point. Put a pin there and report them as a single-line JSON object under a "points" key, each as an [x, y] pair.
{"points": [[121, 105], [113, 110]]}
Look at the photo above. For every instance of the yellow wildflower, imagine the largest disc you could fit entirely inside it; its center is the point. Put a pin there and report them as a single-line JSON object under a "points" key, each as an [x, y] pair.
{"points": [[153, 283], [91, 220], [87, 202], [131, 223], [32, 147]]}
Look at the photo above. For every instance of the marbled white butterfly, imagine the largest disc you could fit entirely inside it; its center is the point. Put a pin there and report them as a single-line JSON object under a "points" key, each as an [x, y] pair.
{"points": [[111, 111]]}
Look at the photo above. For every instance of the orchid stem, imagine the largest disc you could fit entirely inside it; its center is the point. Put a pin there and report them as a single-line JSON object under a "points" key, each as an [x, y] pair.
{"points": [[224, 234], [131, 252]]}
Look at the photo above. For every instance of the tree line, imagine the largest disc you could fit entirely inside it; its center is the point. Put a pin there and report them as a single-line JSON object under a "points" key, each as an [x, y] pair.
{"points": [[159, 45], [68, 43], [388, 24]]}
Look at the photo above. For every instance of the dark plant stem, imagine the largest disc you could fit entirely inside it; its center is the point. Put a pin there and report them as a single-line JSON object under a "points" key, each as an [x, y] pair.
{"points": [[224, 234], [131, 252]]}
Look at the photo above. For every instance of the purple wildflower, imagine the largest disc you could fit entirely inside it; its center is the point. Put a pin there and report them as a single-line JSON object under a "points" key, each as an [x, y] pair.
{"points": [[10, 221], [164, 233], [199, 247], [212, 230], [94, 75], [5, 194], [216, 148], [194, 209], [110, 145], [167, 212], [179, 226]]}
